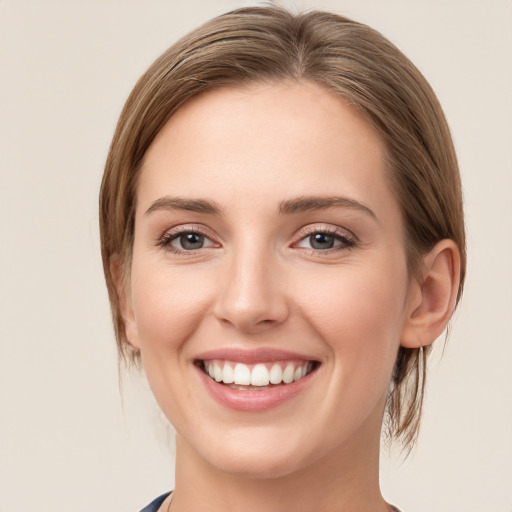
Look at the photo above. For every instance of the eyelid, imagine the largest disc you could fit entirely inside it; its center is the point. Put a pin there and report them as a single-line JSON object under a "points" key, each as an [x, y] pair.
{"points": [[346, 238], [328, 229], [171, 233]]}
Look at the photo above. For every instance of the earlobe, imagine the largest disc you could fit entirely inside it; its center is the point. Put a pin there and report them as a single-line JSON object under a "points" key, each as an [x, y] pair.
{"points": [[124, 300], [434, 296]]}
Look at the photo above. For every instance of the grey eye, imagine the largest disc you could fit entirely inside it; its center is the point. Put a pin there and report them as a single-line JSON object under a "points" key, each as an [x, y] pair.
{"points": [[186, 241], [191, 241], [321, 241]]}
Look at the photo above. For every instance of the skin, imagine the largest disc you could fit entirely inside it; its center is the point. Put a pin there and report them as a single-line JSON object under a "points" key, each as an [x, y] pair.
{"points": [[257, 282]]}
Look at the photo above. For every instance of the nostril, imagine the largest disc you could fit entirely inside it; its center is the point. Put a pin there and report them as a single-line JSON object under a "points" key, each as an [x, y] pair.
{"points": [[250, 316], [250, 298]]}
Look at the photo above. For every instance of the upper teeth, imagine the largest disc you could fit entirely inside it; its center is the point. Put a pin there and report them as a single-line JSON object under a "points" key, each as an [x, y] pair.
{"points": [[261, 374]]}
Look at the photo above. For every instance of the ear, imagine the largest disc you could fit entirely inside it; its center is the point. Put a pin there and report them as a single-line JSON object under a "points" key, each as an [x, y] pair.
{"points": [[123, 292], [433, 296]]}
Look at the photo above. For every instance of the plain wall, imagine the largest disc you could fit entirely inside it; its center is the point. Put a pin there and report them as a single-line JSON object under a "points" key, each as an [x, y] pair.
{"points": [[67, 439]]}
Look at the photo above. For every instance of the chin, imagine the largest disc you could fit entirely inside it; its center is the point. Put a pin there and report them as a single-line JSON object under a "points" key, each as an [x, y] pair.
{"points": [[252, 456], [259, 466]]}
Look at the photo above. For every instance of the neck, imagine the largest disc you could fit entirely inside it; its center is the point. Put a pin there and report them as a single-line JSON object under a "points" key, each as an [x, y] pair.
{"points": [[346, 479]]}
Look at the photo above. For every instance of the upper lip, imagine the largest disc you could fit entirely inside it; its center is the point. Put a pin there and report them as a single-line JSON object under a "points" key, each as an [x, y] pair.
{"points": [[248, 356]]}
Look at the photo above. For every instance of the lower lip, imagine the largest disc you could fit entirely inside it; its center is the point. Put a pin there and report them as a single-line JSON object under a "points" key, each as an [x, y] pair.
{"points": [[253, 400]]}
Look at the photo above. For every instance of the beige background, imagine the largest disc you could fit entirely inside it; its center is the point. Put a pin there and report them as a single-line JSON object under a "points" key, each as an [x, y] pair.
{"points": [[66, 68]]}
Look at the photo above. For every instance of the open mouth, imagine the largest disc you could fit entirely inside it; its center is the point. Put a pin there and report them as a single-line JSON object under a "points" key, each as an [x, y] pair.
{"points": [[258, 376]]}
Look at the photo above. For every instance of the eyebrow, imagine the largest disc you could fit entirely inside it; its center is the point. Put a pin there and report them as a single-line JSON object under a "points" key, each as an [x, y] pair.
{"points": [[307, 203], [179, 203], [290, 206]]}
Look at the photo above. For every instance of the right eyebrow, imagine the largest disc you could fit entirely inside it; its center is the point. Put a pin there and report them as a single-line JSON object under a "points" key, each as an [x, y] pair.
{"points": [[179, 203]]}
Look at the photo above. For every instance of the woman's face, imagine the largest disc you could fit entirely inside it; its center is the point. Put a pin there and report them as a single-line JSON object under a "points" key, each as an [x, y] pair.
{"points": [[268, 253]]}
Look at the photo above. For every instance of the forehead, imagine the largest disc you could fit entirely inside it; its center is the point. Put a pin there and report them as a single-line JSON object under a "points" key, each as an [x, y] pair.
{"points": [[272, 141]]}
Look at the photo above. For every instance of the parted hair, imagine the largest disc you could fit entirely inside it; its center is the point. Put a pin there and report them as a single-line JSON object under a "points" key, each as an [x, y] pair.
{"points": [[269, 44]]}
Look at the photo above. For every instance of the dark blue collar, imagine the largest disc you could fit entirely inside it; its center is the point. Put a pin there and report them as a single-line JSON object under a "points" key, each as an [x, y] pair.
{"points": [[155, 504]]}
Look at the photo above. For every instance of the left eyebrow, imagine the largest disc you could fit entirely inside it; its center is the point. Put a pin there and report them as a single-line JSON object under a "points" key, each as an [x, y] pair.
{"points": [[307, 203], [180, 203]]}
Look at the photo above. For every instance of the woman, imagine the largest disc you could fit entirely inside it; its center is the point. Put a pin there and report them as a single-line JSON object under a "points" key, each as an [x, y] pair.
{"points": [[282, 239]]}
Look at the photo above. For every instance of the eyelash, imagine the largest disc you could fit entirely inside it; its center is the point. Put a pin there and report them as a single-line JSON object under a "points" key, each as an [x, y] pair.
{"points": [[346, 242], [167, 238]]}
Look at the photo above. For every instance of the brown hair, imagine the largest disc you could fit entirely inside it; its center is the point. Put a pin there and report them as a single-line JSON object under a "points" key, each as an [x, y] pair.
{"points": [[268, 44]]}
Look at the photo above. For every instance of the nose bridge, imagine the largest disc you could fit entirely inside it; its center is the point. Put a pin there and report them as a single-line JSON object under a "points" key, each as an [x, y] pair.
{"points": [[252, 288]]}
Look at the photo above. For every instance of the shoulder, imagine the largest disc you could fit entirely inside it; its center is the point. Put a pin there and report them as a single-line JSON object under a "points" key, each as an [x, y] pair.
{"points": [[155, 504]]}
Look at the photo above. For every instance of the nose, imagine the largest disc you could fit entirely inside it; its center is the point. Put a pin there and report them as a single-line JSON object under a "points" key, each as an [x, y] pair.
{"points": [[252, 294]]}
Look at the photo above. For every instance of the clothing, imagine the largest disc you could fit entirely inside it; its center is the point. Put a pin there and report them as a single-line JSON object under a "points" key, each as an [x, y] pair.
{"points": [[153, 506]]}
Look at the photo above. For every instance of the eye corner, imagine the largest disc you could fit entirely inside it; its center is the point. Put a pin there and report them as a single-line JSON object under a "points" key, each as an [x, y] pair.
{"points": [[324, 239], [187, 240]]}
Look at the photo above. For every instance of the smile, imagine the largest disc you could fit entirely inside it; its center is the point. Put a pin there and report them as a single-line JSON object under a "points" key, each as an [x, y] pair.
{"points": [[255, 380], [260, 376]]}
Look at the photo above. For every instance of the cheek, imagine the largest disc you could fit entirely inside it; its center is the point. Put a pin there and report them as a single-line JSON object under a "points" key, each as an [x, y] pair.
{"points": [[168, 304], [358, 316], [359, 313]]}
